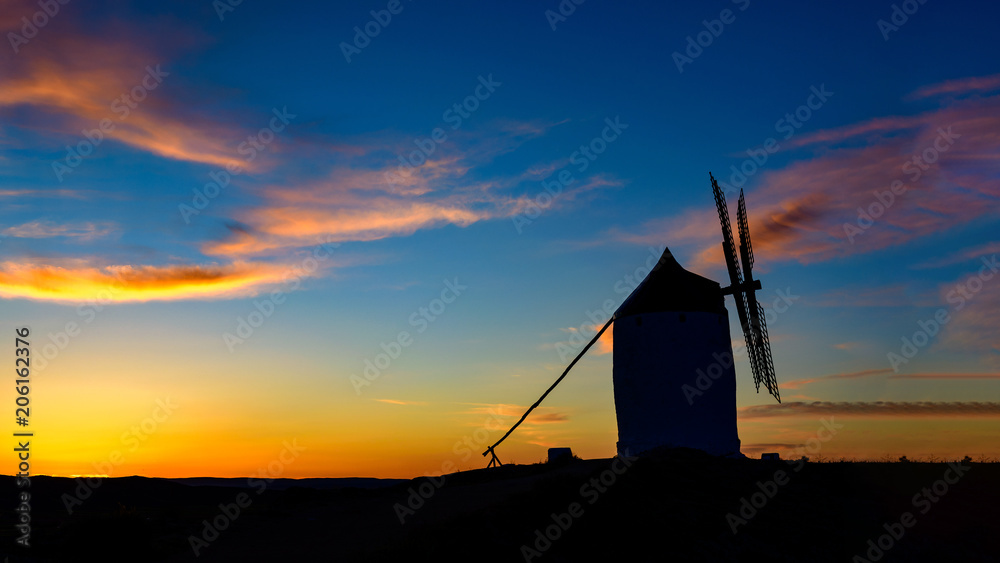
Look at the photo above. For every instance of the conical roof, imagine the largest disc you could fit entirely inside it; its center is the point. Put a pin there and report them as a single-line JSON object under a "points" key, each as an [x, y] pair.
{"points": [[669, 287]]}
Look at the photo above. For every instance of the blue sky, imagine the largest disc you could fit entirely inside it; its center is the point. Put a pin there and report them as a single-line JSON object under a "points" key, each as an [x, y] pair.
{"points": [[172, 284]]}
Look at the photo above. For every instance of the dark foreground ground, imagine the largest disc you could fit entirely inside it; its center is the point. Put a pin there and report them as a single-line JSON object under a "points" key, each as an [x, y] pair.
{"points": [[677, 506]]}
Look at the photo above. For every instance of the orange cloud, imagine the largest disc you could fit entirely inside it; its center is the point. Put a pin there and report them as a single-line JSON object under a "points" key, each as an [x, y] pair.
{"points": [[606, 343], [395, 402], [79, 283], [80, 80], [284, 227], [366, 204], [541, 428]]}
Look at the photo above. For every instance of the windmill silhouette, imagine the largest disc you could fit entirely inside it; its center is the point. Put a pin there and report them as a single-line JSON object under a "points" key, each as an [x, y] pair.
{"points": [[672, 327]]}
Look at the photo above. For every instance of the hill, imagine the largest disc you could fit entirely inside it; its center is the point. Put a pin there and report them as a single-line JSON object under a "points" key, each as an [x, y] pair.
{"points": [[677, 505]]}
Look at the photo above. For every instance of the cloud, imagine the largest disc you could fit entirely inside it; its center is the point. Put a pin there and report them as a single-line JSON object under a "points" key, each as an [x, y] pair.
{"points": [[541, 415], [60, 194], [373, 202], [879, 408], [896, 295], [351, 203], [969, 254], [80, 283], [960, 86], [946, 376], [799, 212], [537, 429], [551, 418], [973, 301], [288, 224], [73, 80], [802, 397], [604, 345], [798, 383], [395, 402], [48, 229]]}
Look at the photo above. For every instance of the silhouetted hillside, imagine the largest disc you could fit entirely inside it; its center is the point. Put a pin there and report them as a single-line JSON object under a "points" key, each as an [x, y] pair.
{"points": [[680, 505]]}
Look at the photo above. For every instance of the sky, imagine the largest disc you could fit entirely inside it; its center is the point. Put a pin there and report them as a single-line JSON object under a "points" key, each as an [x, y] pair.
{"points": [[373, 233]]}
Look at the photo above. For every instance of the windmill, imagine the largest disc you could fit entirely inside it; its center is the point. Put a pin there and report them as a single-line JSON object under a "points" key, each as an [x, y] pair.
{"points": [[672, 331]]}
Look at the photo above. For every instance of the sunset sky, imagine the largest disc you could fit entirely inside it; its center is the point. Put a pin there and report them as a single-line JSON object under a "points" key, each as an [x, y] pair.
{"points": [[215, 218]]}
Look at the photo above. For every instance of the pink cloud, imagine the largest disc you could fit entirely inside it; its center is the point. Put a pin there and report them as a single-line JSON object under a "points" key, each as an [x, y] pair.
{"points": [[960, 86], [808, 210], [945, 376]]}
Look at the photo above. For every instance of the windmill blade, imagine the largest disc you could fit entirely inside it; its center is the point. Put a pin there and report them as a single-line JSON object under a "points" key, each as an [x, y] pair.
{"points": [[735, 275], [753, 333], [764, 368], [728, 247], [748, 332], [746, 249]]}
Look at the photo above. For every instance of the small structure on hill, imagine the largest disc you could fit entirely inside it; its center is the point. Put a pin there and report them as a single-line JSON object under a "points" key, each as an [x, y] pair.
{"points": [[560, 454]]}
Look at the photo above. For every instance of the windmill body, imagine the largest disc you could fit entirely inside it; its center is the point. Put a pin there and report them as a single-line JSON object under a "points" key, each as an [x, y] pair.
{"points": [[671, 329]]}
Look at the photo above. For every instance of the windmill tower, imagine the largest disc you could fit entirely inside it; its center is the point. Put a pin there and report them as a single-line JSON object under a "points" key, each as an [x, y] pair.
{"points": [[673, 327]]}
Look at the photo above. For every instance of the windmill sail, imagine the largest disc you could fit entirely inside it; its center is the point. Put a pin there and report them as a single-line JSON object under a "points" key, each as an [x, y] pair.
{"points": [[744, 291], [736, 287]]}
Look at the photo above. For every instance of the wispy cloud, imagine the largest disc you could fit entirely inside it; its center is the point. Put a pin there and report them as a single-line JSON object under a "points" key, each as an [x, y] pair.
{"points": [[798, 383], [541, 415], [540, 428], [945, 376], [879, 408], [61, 194], [75, 79], [974, 322], [367, 203], [78, 283], [970, 254], [960, 86], [395, 402], [49, 229], [895, 295], [799, 212], [604, 345]]}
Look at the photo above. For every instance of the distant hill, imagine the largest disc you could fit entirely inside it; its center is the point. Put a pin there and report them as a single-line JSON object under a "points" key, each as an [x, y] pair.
{"points": [[676, 505]]}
